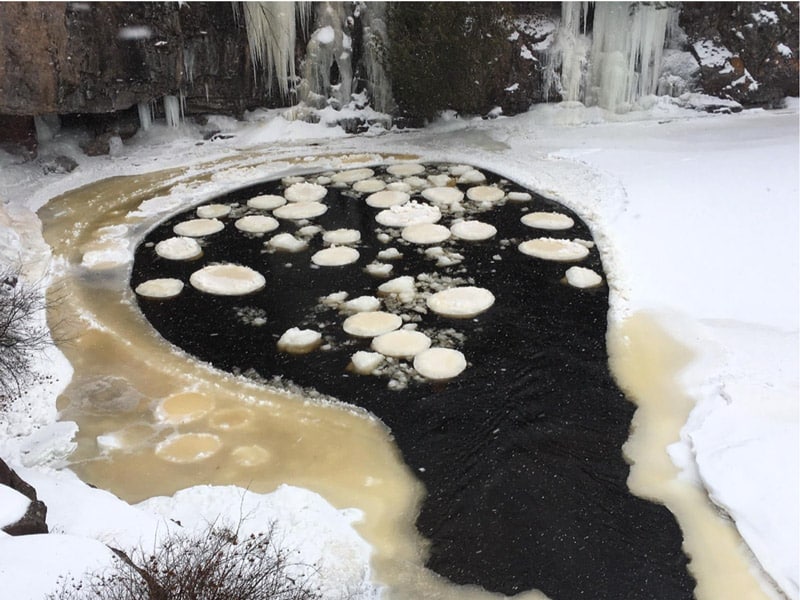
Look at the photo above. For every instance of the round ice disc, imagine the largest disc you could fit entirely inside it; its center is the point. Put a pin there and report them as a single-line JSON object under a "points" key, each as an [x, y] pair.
{"points": [[425, 233], [213, 211], [335, 256], [402, 343], [461, 302], [227, 280], [473, 231], [160, 288], [305, 192], [198, 227], [553, 249], [439, 363], [371, 323], [179, 248], [300, 210], [547, 220], [256, 224]]}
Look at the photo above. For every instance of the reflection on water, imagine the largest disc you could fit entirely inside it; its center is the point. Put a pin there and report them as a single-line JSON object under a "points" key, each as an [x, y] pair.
{"points": [[135, 397]]}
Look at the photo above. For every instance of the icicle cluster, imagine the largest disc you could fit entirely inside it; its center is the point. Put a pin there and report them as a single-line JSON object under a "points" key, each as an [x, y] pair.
{"points": [[271, 37], [622, 62]]}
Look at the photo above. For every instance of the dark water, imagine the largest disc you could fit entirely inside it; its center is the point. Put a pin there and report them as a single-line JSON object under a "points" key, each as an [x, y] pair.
{"points": [[520, 454]]}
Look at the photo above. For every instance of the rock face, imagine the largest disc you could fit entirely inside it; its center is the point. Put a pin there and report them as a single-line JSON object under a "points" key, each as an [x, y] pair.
{"points": [[34, 519], [747, 51], [78, 59], [108, 56]]}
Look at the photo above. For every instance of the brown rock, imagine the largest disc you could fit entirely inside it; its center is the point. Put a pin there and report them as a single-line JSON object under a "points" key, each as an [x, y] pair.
{"points": [[34, 520]]}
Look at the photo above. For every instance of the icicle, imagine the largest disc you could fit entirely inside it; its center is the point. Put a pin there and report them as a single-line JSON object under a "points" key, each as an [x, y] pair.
{"points": [[622, 64], [271, 38], [172, 111], [566, 61], [329, 46], [376, 47], [145, 115], [188, 64], [627, 46]]}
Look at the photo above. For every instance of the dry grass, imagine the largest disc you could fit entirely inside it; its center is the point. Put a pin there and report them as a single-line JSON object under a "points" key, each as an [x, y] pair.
{"points": [[23, 333], [216, 565]]}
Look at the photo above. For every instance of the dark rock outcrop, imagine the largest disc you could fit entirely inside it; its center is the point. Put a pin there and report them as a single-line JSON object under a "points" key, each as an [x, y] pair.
{"points": [[748, 51], [34, 520], [108, 56]]}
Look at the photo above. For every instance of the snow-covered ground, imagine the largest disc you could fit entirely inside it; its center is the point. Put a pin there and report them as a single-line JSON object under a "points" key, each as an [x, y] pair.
{"points": [[696, 217]]}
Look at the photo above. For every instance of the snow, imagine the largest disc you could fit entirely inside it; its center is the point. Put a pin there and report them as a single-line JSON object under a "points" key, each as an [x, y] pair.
{"points": [[13, 506], [724, 283]]}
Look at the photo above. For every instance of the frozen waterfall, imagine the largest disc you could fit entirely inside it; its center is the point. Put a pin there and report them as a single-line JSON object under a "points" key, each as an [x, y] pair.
{"points": [[609, 53], [271, 35]]}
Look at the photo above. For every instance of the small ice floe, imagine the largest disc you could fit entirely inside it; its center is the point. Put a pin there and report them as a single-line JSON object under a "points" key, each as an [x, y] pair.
{"points": [[485, 193], [256, 224], [160, 288], [299, 341], [547, 220], [403, 287], [227, 279], [198, 227], [371, 323], [387, 198], [335, 256], [471, 176], [379, 269], [461, 302], [368, 186], [365, 362], [352, 175], [179, 248], [342, 236], [581, 277], [266, 202], [405, 169], [297, 211], [410, 213], [362, 304], [402, 343], [439, 363], [213, 211], [389, 254], [305, 192], [554, 249], [443, 196], [473, 231], [286, 242], [425, 233], [519, 196]]}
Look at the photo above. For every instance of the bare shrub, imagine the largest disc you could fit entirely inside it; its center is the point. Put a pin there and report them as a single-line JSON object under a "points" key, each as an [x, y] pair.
{"points": [[23, 334], [215, 565]]}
